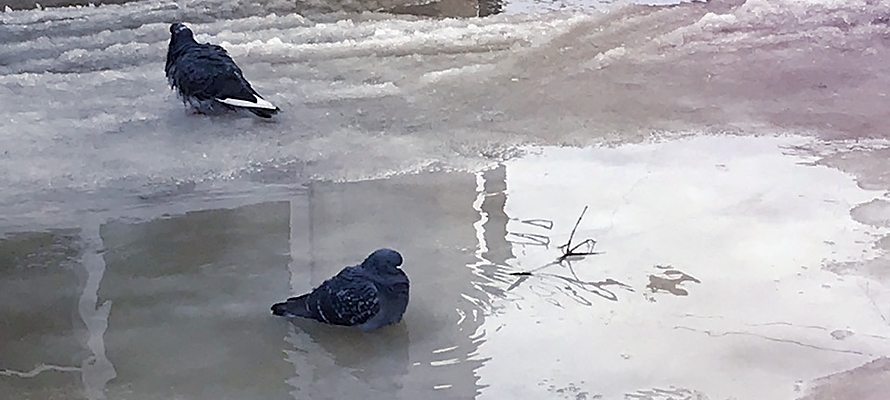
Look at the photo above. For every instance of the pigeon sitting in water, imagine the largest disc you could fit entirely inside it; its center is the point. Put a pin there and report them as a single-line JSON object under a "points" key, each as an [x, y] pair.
{"points": [[207, 79], [371, 295]]}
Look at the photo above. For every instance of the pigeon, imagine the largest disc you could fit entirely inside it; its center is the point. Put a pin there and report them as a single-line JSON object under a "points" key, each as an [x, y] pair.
{"points": [[207, 79], [368, 296]]}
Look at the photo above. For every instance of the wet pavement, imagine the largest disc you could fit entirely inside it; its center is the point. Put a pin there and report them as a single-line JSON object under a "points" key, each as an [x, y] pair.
{"points": [[730, 156], [713, 279]]}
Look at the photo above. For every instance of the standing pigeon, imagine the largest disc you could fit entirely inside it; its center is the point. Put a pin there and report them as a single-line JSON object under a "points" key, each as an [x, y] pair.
{"points": [[207, 79], [371, 295]]}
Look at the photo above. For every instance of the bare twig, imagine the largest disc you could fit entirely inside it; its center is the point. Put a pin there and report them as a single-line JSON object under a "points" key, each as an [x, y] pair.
{"points": [[572, 235], [572, 285], [567, 251]]}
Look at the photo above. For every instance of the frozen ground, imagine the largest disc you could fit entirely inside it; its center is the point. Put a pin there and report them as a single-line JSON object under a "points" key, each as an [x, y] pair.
{"points": [[733, 155]]}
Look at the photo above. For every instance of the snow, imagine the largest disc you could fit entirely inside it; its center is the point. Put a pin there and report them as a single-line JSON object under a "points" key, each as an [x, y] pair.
{"points": [[98, 113]]}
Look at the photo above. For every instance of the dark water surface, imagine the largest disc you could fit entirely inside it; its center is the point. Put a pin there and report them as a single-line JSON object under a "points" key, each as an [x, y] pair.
{"points": [[162, 308]]}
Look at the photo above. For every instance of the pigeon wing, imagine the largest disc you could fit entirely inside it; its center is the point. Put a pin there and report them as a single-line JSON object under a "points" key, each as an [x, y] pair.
{"points": [[346, 299], [206, 72], [396, 293]]}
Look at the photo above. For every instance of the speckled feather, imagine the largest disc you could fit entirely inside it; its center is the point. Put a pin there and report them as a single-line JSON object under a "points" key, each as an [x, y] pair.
{"points": [[370, 295], [348, 298]]}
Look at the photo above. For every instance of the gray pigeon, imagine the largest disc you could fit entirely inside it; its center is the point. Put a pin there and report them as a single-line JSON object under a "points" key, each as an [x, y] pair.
{"points": [[208, 79], [371, 295]]}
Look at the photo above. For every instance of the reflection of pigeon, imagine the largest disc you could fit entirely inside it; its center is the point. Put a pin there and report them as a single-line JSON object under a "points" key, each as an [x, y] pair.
{"points": [[207, 79], [370, 295]]}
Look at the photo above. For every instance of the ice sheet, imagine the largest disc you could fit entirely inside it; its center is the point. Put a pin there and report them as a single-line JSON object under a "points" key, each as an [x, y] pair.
{"points": [[85, 105]]}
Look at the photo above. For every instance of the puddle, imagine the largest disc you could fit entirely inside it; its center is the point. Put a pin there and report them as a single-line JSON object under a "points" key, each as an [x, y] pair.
{"points": [[708, 283], [719, 245], [183, 304]]}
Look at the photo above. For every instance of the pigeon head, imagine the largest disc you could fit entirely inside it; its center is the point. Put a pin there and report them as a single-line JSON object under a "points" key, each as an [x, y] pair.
{"points": [[178, 27], [179, 32], [180, 39], [383, 260]]}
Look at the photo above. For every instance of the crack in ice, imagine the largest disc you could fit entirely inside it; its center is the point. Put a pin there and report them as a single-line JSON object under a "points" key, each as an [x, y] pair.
{"points": [[772, 339], [39, 368]]}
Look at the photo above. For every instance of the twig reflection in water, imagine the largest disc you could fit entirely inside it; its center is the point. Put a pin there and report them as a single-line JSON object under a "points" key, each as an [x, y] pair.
{"points": [[533, 239], [574, 285]]}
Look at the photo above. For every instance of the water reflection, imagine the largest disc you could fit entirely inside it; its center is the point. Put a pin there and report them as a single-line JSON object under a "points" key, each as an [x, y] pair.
{"points": [[39, 325], [428, 218], [177, 306], [493, 250], [497, 262], [190, 300], [332, 362], [726, 233], [717, 230], [97, 368]]}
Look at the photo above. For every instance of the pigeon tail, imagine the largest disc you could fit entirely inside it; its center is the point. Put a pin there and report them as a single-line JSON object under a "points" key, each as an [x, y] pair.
{"points": [[263, 113], [260, 107], [293, 307]]}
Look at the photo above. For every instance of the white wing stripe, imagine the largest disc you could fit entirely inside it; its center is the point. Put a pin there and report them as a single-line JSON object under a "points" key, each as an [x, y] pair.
{"points": [[260, 103]]}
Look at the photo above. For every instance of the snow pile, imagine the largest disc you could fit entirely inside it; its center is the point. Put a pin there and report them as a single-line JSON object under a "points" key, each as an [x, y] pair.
{"points": [[84, 104]]}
